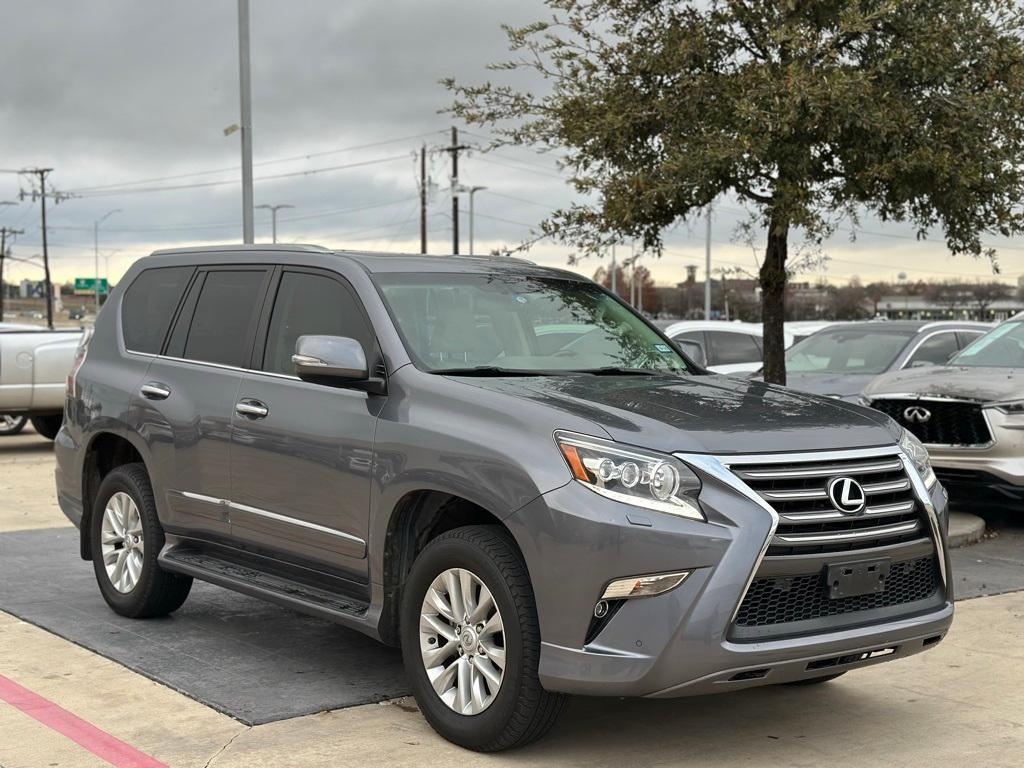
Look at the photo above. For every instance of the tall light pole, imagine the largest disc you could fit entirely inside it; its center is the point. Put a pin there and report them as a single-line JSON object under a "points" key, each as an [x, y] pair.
{"points": [[96, 251], [273, 216], [245, 97], [472, 211], [707, 267]]}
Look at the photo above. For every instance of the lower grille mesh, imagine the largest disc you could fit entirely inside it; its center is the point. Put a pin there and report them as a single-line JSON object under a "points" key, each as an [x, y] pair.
{"points": [[784, 599]]}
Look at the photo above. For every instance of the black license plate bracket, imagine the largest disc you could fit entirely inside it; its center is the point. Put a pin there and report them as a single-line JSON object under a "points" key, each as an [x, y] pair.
{"points": [[863, 577]]}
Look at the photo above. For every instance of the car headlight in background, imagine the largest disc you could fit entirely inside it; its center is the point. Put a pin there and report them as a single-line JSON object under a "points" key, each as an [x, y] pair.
{"points": [[1010, 408], [642, 478], [918, 455]]}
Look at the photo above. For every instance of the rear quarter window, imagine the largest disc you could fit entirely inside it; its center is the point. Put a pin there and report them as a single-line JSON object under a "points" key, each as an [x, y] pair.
{"points": [[149, 305]]}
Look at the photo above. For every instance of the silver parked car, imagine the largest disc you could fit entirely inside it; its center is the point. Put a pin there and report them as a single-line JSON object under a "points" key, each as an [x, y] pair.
{"points": [[34, 365], [970, 414], [842, 359]]}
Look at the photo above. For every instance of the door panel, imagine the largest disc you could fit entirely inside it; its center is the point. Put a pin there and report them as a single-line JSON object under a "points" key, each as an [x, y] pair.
{"points": [[302, 452]]}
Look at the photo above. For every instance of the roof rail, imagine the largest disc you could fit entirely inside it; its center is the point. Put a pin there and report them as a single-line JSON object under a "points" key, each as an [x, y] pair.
{"points": [[291, 247]]}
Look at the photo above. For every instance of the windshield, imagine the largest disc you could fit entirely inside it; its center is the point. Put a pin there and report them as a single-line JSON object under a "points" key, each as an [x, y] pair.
{"points": [[506, 323], [847, 350], [1002, 347]]}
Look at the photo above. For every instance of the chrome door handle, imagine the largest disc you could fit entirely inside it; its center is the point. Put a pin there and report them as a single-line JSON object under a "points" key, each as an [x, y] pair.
{"points": [[252, 409], [154, 390]]}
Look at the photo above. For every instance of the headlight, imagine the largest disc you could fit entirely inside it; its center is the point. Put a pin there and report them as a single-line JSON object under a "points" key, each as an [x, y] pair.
{"points": [[918, 455], [643, 478], [1011, 407]]}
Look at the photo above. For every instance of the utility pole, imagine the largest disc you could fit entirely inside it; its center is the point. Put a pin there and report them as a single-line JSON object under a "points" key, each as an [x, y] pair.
{"points": [[4, 232], [96, 252], [615, 288], [245, 94], [273, 216], [423, 198], [707, 266], [454, 149], [41, 173]]}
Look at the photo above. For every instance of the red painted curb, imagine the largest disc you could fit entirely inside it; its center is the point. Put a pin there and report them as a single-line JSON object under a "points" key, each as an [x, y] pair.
{"points": [[83, 733]]}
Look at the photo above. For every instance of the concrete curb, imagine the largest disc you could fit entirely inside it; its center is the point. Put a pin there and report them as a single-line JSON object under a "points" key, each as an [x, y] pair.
{"points": [[964, 529]]}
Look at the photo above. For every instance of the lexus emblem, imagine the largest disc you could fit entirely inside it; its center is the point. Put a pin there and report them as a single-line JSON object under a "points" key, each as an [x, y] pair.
{"points": [[847, 495], [917, 414]]}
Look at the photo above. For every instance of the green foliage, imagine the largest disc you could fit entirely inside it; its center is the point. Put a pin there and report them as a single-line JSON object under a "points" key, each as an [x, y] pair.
{"points": [[805, 110]]}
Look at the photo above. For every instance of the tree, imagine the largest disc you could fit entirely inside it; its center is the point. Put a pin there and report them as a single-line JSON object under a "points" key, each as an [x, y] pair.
{"points": [[984, 294], [806, 111]]}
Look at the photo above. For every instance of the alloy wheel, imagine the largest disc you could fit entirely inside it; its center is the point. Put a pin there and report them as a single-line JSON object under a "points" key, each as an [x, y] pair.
{"points": [[10, 424], [462, 641], [122, 543]]}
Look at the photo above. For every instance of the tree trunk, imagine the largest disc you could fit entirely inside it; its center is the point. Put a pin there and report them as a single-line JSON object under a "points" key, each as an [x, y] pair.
{"points": [[773, 299]]}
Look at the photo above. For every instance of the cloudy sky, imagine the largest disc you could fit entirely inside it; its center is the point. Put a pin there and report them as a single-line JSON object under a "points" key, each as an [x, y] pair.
{"points": [[127, 101]]}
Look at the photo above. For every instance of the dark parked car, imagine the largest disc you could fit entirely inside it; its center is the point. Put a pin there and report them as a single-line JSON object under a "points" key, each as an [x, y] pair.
{"points": [[842, 359], [403, 445]]}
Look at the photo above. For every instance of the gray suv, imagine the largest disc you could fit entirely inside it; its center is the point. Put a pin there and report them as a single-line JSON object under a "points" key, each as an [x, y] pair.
{"points": [[415, 447]]}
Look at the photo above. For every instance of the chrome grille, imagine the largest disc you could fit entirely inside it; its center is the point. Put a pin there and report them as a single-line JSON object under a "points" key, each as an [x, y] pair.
{"points": [[949, 422], [808, 521]]}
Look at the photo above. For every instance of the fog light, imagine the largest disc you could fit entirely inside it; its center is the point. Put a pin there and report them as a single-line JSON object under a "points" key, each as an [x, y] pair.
{"points": [[643, 586], [601, 610]]}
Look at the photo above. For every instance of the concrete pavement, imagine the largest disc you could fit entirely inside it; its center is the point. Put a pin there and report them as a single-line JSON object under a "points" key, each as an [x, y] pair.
{"points": [[962, 702]]}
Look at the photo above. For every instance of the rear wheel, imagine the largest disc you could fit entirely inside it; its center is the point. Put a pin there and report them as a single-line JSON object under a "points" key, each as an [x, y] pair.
{"points": [[11, 424], [126, 539], [471, 642], [48, 426]]}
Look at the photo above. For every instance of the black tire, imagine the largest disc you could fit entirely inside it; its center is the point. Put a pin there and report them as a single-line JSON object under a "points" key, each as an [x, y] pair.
{"points": [[48, 426], [157, 592], [522, 711], [816, 680], [11, 424]]}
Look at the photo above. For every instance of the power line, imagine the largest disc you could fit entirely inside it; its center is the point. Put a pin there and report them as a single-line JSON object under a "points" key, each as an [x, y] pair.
{"points": [[197, 185], [234, 168]]}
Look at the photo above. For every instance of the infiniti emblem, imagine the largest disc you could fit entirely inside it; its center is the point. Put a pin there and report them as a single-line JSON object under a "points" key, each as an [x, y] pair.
{"points": [[847, 495], [917, 414]]}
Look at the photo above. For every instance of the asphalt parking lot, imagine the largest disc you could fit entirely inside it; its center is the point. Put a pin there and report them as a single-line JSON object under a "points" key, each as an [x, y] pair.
{"points": [[232, 681]]}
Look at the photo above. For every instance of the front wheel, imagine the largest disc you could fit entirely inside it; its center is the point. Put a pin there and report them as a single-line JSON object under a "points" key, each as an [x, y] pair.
{"points": [[471, 642], [48, 426], [11, 424]]}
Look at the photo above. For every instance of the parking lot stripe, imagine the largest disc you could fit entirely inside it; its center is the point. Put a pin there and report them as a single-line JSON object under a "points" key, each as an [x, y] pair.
{"points": [[83, 733]]}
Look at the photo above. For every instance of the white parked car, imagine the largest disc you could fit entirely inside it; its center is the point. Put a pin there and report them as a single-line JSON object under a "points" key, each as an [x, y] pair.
{"points": [[722, 347], [34, 364]]}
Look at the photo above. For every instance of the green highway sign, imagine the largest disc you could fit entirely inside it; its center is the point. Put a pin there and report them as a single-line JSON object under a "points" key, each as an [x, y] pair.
{"points": [[87, 286]]}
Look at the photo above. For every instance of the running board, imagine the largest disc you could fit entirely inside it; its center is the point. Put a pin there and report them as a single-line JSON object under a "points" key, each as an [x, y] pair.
{"points": [[252, 581]]}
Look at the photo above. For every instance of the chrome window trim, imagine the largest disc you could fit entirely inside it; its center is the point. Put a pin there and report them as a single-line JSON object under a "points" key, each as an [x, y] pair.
{"points": [[220, 366], [917, 346], [271, 515]]}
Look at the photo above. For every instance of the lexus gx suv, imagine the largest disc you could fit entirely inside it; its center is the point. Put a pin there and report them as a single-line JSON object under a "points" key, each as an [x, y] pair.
{"points": [[414, 447]]}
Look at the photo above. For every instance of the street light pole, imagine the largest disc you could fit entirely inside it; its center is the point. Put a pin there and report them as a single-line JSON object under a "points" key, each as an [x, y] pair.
{"points": [[96, 252], [245, 97], [707, 267], [273, 216], [472, 214]]}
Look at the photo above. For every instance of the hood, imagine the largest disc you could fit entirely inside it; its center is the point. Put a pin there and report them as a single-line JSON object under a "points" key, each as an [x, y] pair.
{"points": [[984, 385], [846, 385], [702, 414]]}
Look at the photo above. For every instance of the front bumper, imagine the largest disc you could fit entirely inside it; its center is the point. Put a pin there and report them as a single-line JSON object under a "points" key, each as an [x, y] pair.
{"points": [[988, 475], [679, 643]]}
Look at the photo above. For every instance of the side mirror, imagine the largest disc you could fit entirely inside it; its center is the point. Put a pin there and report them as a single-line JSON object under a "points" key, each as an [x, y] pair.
{"points": [[922, 364], [336, 360], [693, 350]]}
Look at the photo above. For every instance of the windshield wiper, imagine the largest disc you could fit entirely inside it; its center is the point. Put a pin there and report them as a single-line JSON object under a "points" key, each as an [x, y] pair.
{"points": [[612, 370], [490, 370]]}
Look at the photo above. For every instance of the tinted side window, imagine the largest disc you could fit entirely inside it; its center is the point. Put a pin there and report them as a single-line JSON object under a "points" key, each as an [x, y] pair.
{"points": [[732, 348], [936, 350], [222, 323], [149, 305], [311, 304]]}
